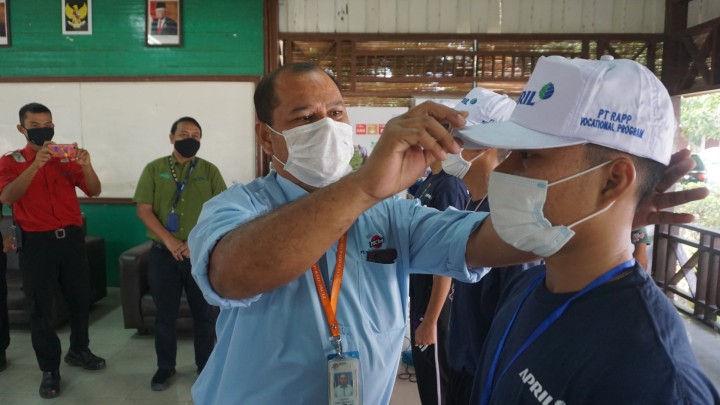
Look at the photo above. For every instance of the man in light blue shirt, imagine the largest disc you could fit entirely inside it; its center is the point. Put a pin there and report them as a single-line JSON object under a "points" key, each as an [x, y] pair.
{"points": [[343, 389], [253, 245]]}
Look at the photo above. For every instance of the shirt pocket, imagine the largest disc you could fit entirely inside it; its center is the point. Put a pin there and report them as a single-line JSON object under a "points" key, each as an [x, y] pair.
{"points": [[381, 298], [64, 184], [200, 186]]}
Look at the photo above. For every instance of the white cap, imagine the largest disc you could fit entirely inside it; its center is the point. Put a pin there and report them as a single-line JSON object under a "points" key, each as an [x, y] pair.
{"points": [[485, 106], [619, 104]]}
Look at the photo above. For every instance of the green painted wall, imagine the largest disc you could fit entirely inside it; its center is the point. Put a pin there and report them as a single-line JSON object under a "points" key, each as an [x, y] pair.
{"points": [[220, 37], [120, 228]]}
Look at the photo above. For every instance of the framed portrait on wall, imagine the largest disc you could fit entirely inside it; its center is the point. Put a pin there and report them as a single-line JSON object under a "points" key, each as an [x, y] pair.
{"points": [[77, 17], [4, 22], [163, 25]]}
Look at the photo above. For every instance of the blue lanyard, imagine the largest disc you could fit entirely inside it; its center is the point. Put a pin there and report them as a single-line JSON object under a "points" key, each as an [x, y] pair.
{"points": [[180, 186], [544, 325]]}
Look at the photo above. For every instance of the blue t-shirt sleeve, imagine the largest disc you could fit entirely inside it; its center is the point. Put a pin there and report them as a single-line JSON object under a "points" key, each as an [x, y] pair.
{"points": [[438, 241], [220, 215]]}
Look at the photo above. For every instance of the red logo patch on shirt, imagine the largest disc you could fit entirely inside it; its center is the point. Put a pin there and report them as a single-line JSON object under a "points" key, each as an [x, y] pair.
{"points": [[376, 242]]}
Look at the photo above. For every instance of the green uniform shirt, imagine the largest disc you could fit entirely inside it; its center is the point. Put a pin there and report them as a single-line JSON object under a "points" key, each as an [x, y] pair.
{"points": [[157, 188], [640, 236]]}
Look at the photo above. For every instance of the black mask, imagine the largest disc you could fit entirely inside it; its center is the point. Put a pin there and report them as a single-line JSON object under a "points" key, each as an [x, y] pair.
{"points": [[187, 147], [38, 136]]}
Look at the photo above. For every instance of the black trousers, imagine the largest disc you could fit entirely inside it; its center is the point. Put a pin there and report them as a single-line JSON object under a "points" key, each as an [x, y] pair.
{"points": [[424, 362], [167, 278], [460, 387], [4, 317], [46, 263]]}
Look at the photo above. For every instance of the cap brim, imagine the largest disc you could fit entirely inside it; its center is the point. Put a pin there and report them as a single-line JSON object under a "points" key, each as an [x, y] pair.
{"points": [[509, 135]]}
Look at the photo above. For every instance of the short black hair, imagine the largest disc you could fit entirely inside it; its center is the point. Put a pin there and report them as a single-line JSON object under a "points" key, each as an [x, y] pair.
{"points": [[648, 171], [185, 119], [265, 98], [35, 108]]}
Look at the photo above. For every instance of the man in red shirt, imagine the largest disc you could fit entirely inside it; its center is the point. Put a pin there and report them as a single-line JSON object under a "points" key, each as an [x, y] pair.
{"points": [[41, 190]]}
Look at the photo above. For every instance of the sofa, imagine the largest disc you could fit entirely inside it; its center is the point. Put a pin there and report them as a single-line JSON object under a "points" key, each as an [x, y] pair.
{"points": [[138, 307], [17, 312]]}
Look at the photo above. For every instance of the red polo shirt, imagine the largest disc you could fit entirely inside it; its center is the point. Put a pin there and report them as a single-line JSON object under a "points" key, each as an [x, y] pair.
{"points": [[50, 201]]}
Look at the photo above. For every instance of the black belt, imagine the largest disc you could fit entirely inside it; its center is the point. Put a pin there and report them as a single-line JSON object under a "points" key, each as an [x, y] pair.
{"points": [[71, 231]]}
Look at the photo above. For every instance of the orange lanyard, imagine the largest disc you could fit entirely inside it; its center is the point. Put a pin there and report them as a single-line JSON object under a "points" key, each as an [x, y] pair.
{"points": [[330, 303]]}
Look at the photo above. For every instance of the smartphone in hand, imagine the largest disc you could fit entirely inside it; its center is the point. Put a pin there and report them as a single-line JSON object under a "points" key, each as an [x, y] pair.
{"points": [[63, 151]]}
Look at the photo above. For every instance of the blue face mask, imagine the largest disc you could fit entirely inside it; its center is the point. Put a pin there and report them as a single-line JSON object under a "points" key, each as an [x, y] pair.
{"points": [[516, 207]]}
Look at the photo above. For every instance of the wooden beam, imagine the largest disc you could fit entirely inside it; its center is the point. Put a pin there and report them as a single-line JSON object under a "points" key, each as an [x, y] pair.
{"points": [[676, 15], [271, 28]]}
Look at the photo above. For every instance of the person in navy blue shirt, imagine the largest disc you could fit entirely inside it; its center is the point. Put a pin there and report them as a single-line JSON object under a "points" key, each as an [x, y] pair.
{"points": [[473, 305], [429, 305], [590, 141]]}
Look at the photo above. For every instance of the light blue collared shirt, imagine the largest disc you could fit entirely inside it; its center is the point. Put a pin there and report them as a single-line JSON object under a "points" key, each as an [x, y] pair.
{"points": [[273, 348]]}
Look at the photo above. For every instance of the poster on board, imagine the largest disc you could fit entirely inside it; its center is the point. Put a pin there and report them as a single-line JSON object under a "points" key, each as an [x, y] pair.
{"points": [[369, 122], [163, 26], [4, 23], [77, 17]]}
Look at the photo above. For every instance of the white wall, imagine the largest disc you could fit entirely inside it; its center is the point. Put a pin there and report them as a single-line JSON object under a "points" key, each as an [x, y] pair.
{"points": [[477, 16], [126, 125], [700, 11]]}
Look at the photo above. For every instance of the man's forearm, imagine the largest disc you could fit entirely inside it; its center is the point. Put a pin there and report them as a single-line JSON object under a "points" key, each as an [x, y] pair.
{"points": [[276, 248], [485, 248], [438, 295], [152, 223], [92, 182]]}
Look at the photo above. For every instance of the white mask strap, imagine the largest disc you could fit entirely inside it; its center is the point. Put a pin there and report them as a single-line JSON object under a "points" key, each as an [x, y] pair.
{"points": [[280, 161], [591, 215], [273, 156], [476, 157], [579, 174], [272, 129]]}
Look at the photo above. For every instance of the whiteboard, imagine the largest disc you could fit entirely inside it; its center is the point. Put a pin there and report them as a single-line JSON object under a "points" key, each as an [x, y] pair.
{"points": [[125, 125]]}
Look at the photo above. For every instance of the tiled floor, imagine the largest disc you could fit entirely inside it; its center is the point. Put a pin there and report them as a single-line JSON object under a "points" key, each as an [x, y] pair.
{"points": [[131, 364]]}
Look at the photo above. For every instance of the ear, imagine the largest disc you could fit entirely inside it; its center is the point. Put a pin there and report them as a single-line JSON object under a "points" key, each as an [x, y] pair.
{"points": [[20, 129], [620, 178], [263, 136], [170, 137]]}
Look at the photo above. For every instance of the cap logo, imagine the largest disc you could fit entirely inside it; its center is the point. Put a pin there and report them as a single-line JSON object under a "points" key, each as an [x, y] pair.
{"points": [[527, 97]]}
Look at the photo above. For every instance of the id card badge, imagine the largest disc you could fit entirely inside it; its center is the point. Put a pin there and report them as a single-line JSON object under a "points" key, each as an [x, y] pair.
{"points": [[344, 379], [173, 222]]}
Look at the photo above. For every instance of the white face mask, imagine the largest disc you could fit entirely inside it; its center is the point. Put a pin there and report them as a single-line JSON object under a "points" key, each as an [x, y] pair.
{"points": [[516, 206], [456, 166], [319, 153]]}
